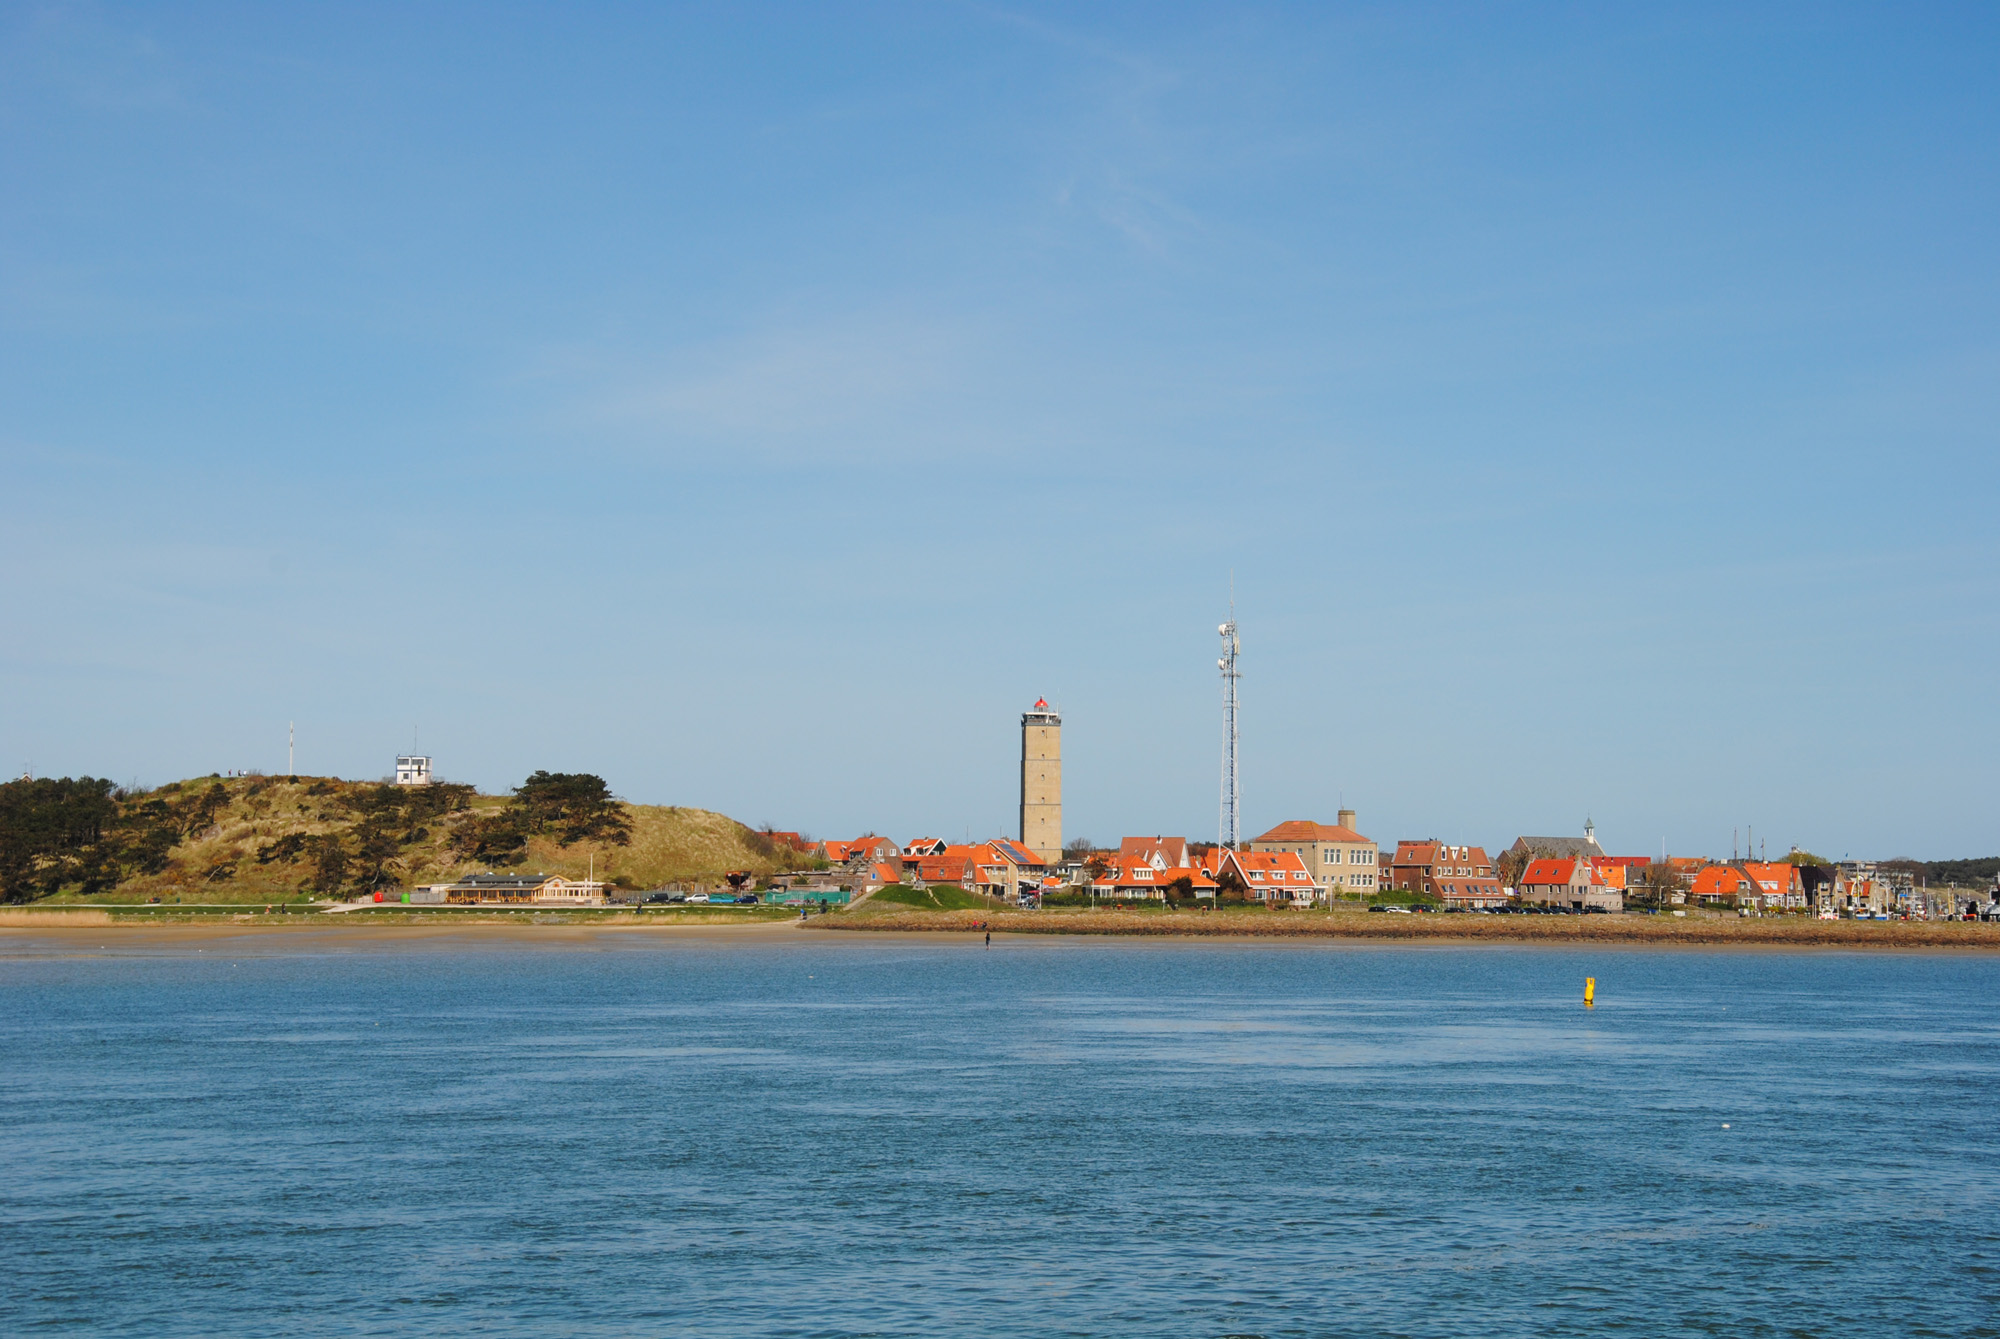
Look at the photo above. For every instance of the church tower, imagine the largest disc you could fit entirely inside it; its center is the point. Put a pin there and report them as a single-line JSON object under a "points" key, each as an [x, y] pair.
{"points": [[1041, 781]]}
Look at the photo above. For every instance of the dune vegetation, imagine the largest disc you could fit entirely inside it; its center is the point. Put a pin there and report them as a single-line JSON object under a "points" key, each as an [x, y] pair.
{"points": [[277, 839]]}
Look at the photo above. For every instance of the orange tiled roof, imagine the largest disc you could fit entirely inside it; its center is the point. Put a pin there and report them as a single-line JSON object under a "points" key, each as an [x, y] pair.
{"points": [[1432, 852], [1140, 874], [1270, 869], [1720, 881], [1014, 852], [1773, 876], [1548, 871], [1304, 830], [1174, 850]]}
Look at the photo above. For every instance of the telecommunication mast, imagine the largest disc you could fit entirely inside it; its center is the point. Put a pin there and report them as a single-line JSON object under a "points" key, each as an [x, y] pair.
{"points": [[1232, 795]]}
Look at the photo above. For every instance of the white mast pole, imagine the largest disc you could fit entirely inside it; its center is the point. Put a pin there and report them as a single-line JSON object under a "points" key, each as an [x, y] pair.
{"points": [[1232, 795]]}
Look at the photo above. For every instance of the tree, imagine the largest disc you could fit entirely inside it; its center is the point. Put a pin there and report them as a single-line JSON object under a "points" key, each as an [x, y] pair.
{"points": [[329, 864], [572, 807], [49, 830], [1964, 873], [1659, 885], [1510, 864], [497, 839]]}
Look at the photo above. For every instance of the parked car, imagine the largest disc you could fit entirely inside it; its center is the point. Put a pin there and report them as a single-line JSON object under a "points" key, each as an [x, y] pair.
{"points": [[746, 899], [697, 897], [652, 898]]}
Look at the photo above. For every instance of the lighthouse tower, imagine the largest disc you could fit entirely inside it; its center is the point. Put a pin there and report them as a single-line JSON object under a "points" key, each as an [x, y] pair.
{"points": [[1041, 781]]}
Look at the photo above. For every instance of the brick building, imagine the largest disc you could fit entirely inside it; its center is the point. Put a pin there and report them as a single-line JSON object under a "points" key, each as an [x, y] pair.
{"points": [[1460, 876]]}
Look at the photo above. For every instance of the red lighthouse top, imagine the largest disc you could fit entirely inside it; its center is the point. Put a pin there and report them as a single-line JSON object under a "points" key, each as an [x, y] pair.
{"points": [[1041, 704]]}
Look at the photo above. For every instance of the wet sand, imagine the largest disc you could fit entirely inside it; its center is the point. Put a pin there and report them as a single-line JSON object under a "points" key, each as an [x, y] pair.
{"points": [[312, 934], [31, 930], [1659, 931]]}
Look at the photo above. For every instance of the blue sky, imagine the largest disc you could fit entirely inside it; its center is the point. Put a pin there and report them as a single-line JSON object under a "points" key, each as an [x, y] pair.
{"points": [[1595, 407]]}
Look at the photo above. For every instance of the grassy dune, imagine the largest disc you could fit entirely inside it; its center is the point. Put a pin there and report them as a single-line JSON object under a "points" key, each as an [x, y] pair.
{"points": [[219, 861]]}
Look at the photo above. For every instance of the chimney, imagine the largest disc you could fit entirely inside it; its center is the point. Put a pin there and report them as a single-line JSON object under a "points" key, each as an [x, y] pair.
{"points": [[1347, 819]]}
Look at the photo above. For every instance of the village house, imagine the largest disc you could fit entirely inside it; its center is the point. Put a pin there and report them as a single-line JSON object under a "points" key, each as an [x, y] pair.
{"points": [[1134, 878], [1002, 868], [1007, 869], [1160, 852], [862, 853], [1612, 872], [1779, 886], [1340, 861], [1572, 882], [951, 868], [1866, 887], [1633, 866], [1272, 876], [1459, 876], [1718, 885], [924, 846], [1144, 867], [1750, 883]]}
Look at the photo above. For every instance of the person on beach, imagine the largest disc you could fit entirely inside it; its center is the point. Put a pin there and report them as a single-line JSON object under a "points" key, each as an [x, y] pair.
{"points": [[989, 939]]}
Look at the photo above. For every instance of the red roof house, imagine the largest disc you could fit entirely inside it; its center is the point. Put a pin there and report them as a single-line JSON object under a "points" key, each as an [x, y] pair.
{"points": [[1271, 876], [1135, 878], [1574, 882]]}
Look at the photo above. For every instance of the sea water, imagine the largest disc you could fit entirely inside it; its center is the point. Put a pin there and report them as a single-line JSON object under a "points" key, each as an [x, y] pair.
{"points": [[834, 1134]]}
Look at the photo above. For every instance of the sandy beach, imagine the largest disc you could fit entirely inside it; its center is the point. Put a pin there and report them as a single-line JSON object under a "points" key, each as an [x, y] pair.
{"points": [[97, 927], [274, 934]]}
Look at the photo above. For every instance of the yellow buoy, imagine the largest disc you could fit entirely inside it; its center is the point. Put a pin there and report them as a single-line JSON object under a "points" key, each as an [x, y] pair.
{"points": [[1590, 992]]}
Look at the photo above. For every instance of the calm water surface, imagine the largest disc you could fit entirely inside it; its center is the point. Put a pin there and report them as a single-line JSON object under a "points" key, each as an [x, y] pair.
{"points": [[302, 1135]]}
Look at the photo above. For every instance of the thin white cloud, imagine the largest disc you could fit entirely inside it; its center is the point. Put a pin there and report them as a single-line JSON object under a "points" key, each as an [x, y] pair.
{"points": [[817, 389]]}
